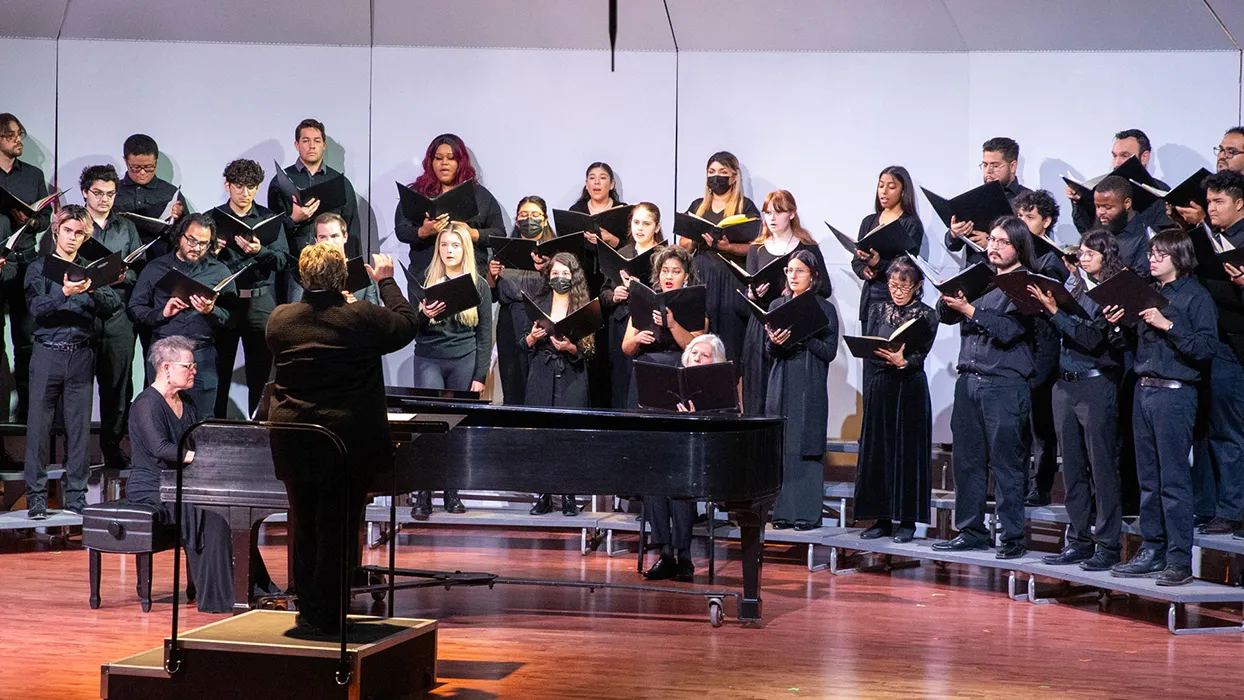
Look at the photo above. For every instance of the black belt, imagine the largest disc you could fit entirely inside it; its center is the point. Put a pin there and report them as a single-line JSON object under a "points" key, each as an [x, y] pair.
{"points": [[1159, 383], [1081, 376], [63, 346]]}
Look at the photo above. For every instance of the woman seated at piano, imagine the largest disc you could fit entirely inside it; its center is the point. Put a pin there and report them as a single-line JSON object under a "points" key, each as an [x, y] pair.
{"points": [[644, 235], [893, 481], [671, 269], [797, 390], [670, 519], [452, 353], [531, 222], [557, 375], [159, 417]]}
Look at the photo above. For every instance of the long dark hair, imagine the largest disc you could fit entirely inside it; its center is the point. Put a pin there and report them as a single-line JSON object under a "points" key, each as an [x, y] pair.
{"points": [[1178, 245], [906, 200], [1104, 242], [427, 183], [547, 232], [1020, 237], [810, 260], [613, 191], [578, 291]]}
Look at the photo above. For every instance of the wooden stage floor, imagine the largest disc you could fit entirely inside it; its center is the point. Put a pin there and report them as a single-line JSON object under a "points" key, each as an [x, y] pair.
{"points": [[912, 633]]}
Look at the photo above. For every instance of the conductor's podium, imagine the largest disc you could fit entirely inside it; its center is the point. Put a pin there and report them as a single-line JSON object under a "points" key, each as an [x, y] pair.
{"points": [[256, 655]]}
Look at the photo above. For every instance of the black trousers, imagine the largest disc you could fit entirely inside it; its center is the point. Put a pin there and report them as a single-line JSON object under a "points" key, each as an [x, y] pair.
{"points": [[1044, 437], [114, 368], [990, 425], [249, 319], [68, 377], [660, 512], [1162, 424], [1218, 462], [22, 334], [319, 514], [1086, 418]]}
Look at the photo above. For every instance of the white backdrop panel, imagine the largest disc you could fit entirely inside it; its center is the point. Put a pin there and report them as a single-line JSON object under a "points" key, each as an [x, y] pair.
{"points": [[532, 120]]}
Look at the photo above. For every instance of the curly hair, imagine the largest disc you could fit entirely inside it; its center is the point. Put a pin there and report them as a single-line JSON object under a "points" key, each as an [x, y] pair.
{"points": [[428, 184], [578, 291], [244, 172], [663, 255], [94, 173]]}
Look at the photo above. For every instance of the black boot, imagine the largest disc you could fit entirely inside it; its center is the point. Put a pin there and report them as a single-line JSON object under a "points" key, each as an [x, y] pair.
{"points": [[665, 568], [543, 505], [1145, 563], [686, 567], [453, 504], [422, 509], [569, 507]]}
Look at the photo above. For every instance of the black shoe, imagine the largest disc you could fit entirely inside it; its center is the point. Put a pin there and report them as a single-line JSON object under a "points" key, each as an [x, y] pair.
{"points": [[1174, 576], [1071, 554], [1219, 526], [1101, 561], [1238, 535], [543, 506], [686, 571], [906, 533], [1145, 564], [1011, 550], [76, 508], [569, 507], [422, 509], [805, 525], [881, 528], [961, 543], [37, 510], [782, 524], [665, 568], [1037, 498], [1199, 520], [453, 504]]}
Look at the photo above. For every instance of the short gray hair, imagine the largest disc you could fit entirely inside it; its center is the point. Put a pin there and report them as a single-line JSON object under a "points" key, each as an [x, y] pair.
{"points": [[169, 349], [714, 343]]}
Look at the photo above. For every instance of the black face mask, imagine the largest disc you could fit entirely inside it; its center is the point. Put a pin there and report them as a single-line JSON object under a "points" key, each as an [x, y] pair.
{"points": [[561, 285], [719, 184], [529, 228]]}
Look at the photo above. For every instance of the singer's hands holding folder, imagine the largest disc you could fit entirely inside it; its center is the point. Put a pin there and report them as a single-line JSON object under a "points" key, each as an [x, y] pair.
{"points": [[204, 305], [1155, 318], [963, 229], [71, 288], [174, 306], [301, 213], [779, 337], [432, 310], [960, 304], [535, 334], [1045, 300], [432, 227], [622, 292], [757, 292], [894, 358], [1113, 314], [248, 246], [1235, 273]]}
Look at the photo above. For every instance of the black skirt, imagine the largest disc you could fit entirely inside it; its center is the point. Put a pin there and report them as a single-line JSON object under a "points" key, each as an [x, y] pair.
{"points": [[893, 479]]}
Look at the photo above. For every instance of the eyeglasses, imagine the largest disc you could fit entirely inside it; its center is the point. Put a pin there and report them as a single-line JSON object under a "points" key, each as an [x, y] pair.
{"points": [[797, 271], [187, 365], [76, 234], [193, 243], [1087, 254], [103, 195], [1158, 255], [901, 288], [997, 242], [990, 167], [1228, 152], [529, 215], [141, 168], [13, 135]]}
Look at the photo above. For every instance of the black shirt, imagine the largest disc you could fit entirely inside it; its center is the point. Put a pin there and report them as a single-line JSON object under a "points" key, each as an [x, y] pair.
{"points": [[954, 244], [65, 319], [149, 199], [1084, 216], [155, 433], [1084, 343], [487, 221], [147, 303], [1134, 245], [997, 341], [1183, 352], [27, 183], [1225, 294], [303, 234], [273, 255], [876, 290], [120, 236]]}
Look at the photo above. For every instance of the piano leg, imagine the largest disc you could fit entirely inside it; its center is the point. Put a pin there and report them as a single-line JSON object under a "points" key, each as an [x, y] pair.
{"points": [[751, 522], [241, 569]]}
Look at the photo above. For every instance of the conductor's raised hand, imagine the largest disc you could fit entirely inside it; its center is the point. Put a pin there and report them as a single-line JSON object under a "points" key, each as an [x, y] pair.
{"points": [[381, 267]]}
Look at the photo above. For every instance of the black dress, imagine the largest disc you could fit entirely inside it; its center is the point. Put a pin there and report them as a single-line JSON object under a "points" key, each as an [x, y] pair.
{"points": [[512, 324], [616, 316], [798, 392], [600, 368], [876, 289], [727, 316], [554, 378], [893, 481], [755, 363], [664, 351], [155, 432]]}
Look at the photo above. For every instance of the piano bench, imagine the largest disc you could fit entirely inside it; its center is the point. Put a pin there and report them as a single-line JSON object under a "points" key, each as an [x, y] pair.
{"points": [[118, 527]]}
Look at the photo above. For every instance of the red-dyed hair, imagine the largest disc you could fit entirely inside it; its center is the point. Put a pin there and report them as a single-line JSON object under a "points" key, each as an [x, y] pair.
{"points": [[427, 184]]}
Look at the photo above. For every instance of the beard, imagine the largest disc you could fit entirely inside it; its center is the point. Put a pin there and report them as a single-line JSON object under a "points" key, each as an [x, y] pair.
{"points": [[1116, 223]]}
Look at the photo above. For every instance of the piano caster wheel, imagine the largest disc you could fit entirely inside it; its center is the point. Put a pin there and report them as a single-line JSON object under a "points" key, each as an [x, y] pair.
{"points": [[376, 580], [716, 612]]}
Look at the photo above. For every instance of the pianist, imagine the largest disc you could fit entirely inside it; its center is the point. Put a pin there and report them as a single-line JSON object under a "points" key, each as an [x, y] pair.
{"points": [[327, 354], [159, 417]]}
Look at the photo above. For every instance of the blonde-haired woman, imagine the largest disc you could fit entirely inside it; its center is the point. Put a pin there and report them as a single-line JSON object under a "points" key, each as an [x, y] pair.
{"points": [[452, 353]]}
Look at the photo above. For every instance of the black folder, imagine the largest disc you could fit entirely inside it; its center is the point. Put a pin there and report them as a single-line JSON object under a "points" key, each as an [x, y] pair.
{"points": [[459, 293], [888, 240], [102, 272], [155, 220], [516, 252], [356, 275], [980, 205], [458, 203], [612, 263], [774, 274], [709, 387], [616, 220], [1190, 191], [93, 250], [1128, 290], [1045, 244], [576, 326], [330, 192], [802, 316], [180, 285], [1015, 285], [8, 244], [687, 305], [735, 229], [9, 201], [1130, 170], [228, 226], [914, 333], [974, 281], [1224, 251]]}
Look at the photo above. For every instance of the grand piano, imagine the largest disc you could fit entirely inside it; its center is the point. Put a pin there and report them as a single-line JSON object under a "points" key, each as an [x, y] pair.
{"points": [[731, 460]]}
